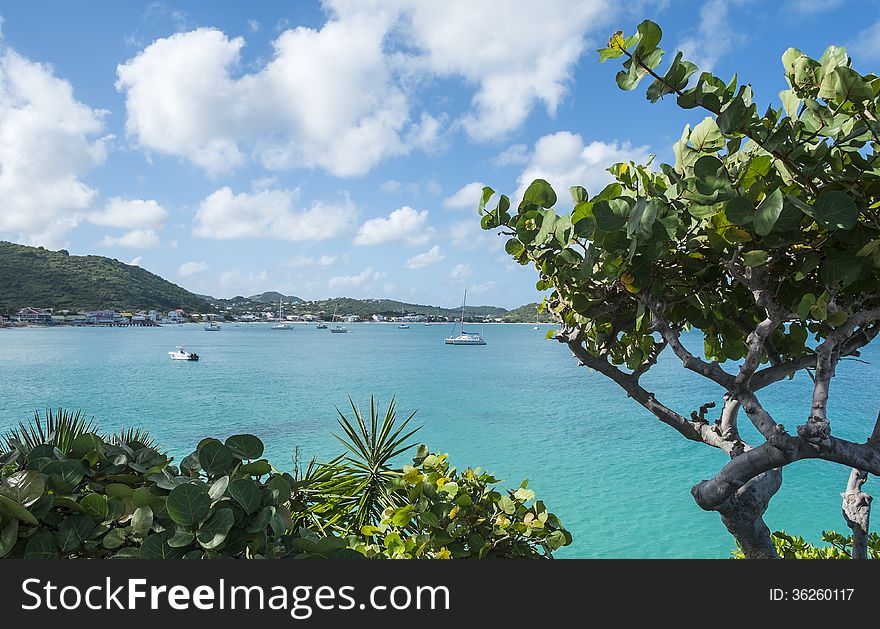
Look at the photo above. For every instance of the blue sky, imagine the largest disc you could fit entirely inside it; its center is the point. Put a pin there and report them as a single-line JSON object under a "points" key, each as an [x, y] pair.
{"points": [[338, 148]]}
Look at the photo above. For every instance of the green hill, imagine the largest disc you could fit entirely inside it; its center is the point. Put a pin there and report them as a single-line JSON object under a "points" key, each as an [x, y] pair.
{"points": [[272, 297], [34, 276], [365, 308], [527, 313]]}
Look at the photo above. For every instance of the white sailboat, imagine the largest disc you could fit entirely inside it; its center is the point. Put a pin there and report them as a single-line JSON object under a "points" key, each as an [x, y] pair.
{"points": [[537, 308], [283, 325], [464, 338], [211, 326], [337, 329]]}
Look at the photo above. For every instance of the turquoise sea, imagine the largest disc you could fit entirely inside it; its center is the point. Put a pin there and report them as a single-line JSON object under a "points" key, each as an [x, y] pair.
{"points": [[519, 406]]}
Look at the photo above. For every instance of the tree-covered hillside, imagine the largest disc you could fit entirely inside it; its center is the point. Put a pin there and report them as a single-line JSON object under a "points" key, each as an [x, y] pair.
{"points": [[32, 276]]}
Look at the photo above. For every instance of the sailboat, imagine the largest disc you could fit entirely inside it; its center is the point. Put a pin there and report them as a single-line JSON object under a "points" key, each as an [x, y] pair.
{"points": [[282, 325], [464, 338], [537, 308], [337, 329]]}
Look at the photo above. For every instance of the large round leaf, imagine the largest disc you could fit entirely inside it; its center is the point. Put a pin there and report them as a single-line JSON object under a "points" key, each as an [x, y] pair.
{"points": [[96, 506], [156, 547], [73, 531], [24, 487], [8, 537], [834, 209], [41, 546], [245, 446], [215, 457], [245, 492], [188, 504], [17, 511], [213, 532]]}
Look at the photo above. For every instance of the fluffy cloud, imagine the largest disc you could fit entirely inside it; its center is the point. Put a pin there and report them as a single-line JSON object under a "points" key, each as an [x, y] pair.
{"points": [[467, 235], [402, 225], [467, 197], [191, 268], [525, 57], [866, 46], [134, 239], [715, 38], [431, 256], [365, 280], [564, 160], [325, 99], [48, 142], [514, 155], [460, 272], [341, 97], [270, 213], [130, 214], [302, 261]]}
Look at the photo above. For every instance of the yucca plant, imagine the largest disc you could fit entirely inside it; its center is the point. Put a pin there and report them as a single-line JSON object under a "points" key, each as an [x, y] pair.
{"points": [[365, 472], [134, 438], [57, 429]]}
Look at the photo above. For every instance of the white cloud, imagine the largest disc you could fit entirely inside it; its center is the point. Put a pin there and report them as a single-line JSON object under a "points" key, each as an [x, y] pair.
{"points": [[136, 261], [253, 26], [403, 225], [130, 214], [134, 239], [564, 160], [238, 283], [460, 272], [526, 56], [302, 261], [48, 142], [514, 155], [467, 197], [271, 213], [715, 37], [467, 235], [866, 46], [812, 7], [191, 268], [326, 99], [364, 280], [431, 256], [392, 185]]}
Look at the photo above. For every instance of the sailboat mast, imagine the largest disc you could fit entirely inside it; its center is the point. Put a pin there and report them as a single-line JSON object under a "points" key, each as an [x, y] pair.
{"points": [[463, 302]]}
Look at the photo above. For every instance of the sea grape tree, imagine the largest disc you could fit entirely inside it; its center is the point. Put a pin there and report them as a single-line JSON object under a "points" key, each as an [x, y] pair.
{"points": [[763, 235]]}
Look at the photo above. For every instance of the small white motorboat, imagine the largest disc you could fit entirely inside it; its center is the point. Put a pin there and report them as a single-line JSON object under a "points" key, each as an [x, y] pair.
{"points": [[338, 329], [182, 354], [321, 326], [403, 326], [212, 327]]}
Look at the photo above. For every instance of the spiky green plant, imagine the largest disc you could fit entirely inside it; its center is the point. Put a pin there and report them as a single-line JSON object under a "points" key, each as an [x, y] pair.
{"points": [[57, 429], [363, 475], [134, 438]]}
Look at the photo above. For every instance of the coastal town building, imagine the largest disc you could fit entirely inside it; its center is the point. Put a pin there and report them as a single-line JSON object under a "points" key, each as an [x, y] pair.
{"points": [[34, 315]]}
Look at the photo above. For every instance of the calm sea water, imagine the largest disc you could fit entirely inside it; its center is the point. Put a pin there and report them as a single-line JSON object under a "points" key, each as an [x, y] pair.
{"points": [[519, 406]]}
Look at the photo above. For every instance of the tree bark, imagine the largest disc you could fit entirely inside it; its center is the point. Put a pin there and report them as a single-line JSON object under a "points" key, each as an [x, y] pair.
{"points": [[743, 513], [857, 512]]}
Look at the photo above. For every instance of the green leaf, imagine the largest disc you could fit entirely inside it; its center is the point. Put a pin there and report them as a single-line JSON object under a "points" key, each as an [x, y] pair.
{"points": [[8, 537], [244, 491], [755, 258], [487, 194], [256, 468], [215, 457], [141, 521], [739, 211], [706, 136], [841, 267], [73, 531], [845, 84], [156, 546], [213, 532], [95, 505], [246, 447], [182, 538], [578, 194], [188, 504], [41, 546], [768, 212], [65, 475], [610, 215], [539, 193], [17, 511], [113, 539], [834, 209], [218, 488], [24, 487]]}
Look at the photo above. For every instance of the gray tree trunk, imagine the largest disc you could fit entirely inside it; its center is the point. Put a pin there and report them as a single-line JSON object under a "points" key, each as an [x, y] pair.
{"points": [[857, 512]]}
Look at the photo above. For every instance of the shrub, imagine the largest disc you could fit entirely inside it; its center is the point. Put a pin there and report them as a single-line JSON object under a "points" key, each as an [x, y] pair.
{"points": [[68, 492]]}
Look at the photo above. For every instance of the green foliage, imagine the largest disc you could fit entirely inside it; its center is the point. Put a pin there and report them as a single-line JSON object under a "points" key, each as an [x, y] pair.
{"points": [[839, 547], [33, 276], [791, 196], [68, 492]]}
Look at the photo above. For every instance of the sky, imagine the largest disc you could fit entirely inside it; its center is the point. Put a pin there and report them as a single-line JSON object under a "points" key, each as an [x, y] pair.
{"points": [[339, 148]]}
